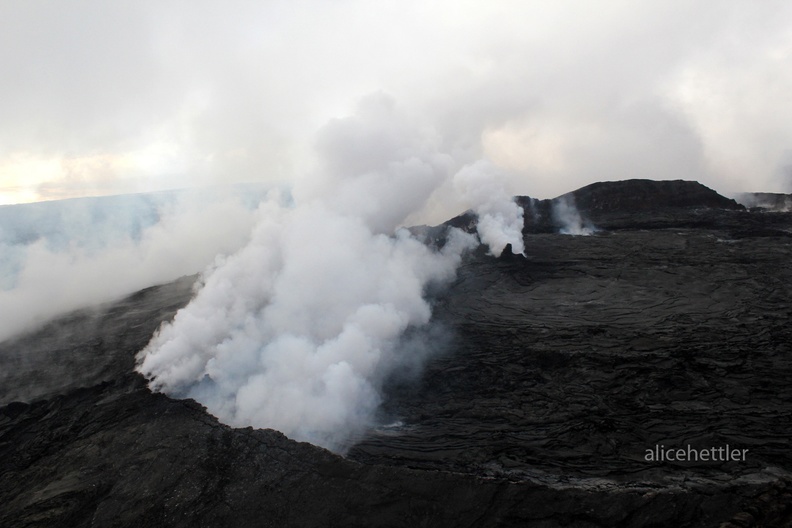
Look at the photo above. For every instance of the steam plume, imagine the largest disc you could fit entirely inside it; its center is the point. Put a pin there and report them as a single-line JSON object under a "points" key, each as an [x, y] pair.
{"points": [[298, 329], [566, 214], [500, 219]]}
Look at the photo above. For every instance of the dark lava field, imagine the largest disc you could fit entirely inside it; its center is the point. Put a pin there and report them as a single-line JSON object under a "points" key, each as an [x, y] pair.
{"points": [[669, 325]]}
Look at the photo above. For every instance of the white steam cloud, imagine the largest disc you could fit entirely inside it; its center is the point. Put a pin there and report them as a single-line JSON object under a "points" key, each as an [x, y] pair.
{"points": [[500, 219], [61, 256], [298, 330], [566, 214]]}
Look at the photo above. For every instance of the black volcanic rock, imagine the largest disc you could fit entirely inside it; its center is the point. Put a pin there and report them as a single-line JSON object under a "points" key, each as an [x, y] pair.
{"points": [[88, 346], [509, 255], [637, 196], [628, 204], [597, 348], [117, 455], [669, 326], [632, 204]]}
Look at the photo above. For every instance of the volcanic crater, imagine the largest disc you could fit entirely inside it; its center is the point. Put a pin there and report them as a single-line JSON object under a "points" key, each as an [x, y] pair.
{"points": [[667, 325]]}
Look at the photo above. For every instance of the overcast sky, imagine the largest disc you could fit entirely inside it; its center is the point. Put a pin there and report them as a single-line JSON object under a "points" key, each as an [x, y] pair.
{"points": [[107, 97]]}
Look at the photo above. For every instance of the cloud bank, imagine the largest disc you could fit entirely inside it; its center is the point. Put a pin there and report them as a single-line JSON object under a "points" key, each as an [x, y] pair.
{"points": [[108, 98]]}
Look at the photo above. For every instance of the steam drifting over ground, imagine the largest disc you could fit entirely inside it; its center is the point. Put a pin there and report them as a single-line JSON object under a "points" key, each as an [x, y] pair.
{"points": [[61, 256], [567, 216], [298, 330]]}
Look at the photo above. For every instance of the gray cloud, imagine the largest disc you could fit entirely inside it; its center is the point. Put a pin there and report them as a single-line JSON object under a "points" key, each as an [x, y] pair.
{"points": [[558, 95]]}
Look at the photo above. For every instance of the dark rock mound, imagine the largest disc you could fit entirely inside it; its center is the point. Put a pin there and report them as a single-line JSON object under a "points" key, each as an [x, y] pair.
{"points": [[629, 203], [637, 196], [643, 204], [508, 255]]}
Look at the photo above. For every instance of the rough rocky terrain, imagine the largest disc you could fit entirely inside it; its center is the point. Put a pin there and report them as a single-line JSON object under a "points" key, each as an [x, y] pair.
{"points": [[669, 325]]}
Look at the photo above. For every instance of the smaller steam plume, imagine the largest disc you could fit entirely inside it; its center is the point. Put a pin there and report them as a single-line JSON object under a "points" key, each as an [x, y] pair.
{"points": [[771, 201], [567, 216], [500, 218]]}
